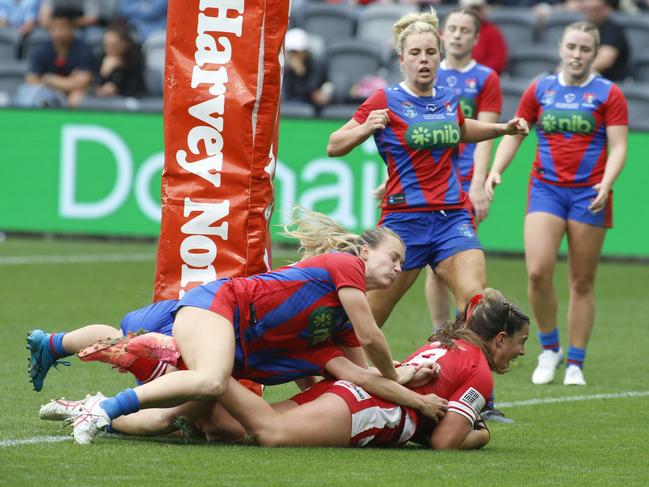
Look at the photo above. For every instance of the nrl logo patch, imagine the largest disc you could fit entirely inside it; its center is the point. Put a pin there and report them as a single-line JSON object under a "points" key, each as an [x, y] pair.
{"points": [[409, 109]]}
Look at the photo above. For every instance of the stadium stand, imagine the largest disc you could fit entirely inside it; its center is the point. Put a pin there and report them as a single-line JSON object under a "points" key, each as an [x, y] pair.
{"points": [[12, 75], [637, 96], [154, 62], [350, 61], [527, 62], [332, 22], [297, 109], [9, 40], [377, 19], [518, 25], [641, 67], [554, 25], [512, 91]]}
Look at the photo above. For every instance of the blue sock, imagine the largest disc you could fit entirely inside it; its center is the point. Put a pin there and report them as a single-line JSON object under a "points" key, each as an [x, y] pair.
{"points": [[56, 345], [126, 402], [576, 356], [550, 340], [491, 401]]}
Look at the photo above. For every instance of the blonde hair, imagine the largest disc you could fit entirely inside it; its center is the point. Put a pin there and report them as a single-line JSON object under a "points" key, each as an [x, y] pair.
{"points": [[586, 27], [415, 23], [318, 234], [485, 315]]}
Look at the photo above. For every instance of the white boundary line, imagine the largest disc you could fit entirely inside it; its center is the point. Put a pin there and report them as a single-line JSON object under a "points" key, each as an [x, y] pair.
{"points": [[554, 400], [512, 404], [76, 259], [34, 440]]}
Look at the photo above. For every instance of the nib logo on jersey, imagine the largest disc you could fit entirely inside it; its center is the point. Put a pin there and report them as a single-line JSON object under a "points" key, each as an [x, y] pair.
{"points": [[425, 135], [575, 121]]}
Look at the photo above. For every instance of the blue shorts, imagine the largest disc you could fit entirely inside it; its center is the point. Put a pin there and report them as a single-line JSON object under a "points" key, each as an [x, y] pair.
{"points": [[432, 236], [568, 203], [157, 317]]}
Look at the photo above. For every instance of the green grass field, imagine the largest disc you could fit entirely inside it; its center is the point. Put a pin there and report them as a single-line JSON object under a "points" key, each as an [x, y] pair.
{"points": [[578, 441]]}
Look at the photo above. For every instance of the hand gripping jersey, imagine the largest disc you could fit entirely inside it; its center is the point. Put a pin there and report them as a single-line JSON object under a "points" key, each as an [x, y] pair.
{"points": [[417, 146], [465, 381], [287, 322], [571, 125], [478, 89]]}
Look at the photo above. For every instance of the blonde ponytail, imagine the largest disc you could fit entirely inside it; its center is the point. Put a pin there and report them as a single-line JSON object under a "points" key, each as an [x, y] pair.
{"points": [[415, 23]]}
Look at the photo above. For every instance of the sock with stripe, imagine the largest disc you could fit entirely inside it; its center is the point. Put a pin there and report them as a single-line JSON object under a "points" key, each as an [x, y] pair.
{"points": [[56, 345], [576, 356], [145, 370], [126, 402], [550, 340]]}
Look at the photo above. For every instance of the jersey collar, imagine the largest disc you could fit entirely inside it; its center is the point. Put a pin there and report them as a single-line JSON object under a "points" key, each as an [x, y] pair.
{"points": [[405, 88], [465, 69], [562, 81]]}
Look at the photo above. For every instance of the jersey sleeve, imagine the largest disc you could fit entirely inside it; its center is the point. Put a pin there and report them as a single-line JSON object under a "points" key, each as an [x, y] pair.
{"points": [[616, 109], [528, 108], [322, 354], [491, 97], [376, 101], [470, 397], [346, 270]]}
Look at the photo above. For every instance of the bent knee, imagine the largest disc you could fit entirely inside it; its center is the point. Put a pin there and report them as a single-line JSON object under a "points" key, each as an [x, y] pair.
{"points": [[209, 387], [582, 286]]}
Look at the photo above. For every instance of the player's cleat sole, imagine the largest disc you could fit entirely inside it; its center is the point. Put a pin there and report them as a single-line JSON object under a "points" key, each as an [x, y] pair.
{"points": [[495, 415], [574, 376], [546, 368], [59, 410], [89, 419], [40, 358], [155, 346], [111, 351]]}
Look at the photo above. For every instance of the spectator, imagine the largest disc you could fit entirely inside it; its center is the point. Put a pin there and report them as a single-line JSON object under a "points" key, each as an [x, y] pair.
{"points": [[87, 12], [491, 49], [60, 69], [146, 16], [613, 56], [120, 70], [304, 77], [22, 15]]}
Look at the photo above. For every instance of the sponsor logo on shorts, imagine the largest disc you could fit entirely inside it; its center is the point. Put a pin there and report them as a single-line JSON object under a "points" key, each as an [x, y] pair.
{"points": [[465, 230], [359, 393]]}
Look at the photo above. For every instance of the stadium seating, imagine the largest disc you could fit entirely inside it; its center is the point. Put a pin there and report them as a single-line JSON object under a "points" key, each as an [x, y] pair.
{"points": [[512, 91], [348, 62], [332, 22], [296, 109], [12, 75], [636, 29], [339, 112], [554, 25], [34, 39], [641, 67], [637, 96], [527, 62], [9, 40], [518, 25], [154, 62], [376, 20]]}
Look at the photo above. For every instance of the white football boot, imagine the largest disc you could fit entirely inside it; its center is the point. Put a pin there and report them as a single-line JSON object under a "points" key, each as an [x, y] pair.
{"points": [[547, 366], [574, 376], [89, 419]]}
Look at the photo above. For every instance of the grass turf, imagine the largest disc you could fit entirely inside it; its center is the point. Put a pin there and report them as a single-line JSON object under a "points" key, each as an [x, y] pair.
{"points": [[593, 442]]}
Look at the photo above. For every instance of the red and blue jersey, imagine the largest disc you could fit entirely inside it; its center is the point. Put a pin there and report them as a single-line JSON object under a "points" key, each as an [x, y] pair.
{"points": [[478, 90], [289, 322], [571, 124], [417, 147]]}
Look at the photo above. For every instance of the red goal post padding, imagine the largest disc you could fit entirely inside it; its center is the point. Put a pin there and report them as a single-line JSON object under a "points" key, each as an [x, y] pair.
{"points": [[221, 115]]}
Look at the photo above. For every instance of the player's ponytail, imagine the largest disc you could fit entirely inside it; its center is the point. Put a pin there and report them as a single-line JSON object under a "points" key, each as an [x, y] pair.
{"points": [[317, 234], [485, 315], [415, 23]]}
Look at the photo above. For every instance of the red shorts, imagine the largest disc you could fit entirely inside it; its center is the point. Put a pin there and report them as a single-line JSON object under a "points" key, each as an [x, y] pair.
{"points": [[374, 422]]}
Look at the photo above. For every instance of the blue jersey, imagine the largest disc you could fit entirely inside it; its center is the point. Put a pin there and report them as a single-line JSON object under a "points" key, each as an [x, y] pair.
{"points": [[478, 89], [417, 146]]}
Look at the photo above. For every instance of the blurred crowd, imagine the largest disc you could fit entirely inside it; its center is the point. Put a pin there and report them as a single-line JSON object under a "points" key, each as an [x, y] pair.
{"points": [[103, 53]]}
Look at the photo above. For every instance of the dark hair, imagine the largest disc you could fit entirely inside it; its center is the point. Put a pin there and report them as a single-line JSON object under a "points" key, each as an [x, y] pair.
{"points": [[68, 13], [485, 315], [471, 13], [132, 57]]}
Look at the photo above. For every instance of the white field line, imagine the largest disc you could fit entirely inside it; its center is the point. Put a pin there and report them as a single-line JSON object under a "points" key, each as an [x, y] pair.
{"points": [[553, 400], [33, 440], [513, 404], [76, 259]]}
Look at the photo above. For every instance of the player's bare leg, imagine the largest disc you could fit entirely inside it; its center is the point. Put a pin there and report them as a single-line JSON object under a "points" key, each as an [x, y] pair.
{"points": [[437, 299], [584, 249], [325, 421], [465, 274], [383, 301], [77, 340]]}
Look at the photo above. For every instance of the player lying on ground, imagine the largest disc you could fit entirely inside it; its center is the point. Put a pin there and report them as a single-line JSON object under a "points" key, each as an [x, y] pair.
{"points": [[269, 327], [340, 413]]}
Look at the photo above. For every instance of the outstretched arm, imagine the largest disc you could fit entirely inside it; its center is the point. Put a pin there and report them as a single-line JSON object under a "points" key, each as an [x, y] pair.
{"points": [[476, 131], [352, 134]]}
